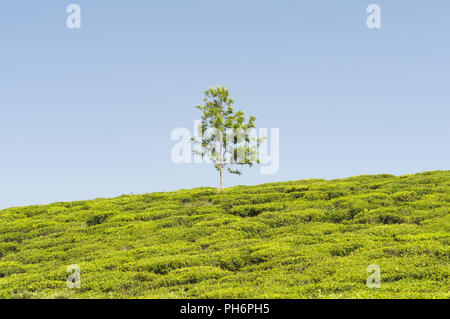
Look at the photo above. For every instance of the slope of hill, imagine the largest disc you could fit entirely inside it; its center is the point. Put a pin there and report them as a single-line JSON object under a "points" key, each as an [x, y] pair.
{"points": [[301, 239]]}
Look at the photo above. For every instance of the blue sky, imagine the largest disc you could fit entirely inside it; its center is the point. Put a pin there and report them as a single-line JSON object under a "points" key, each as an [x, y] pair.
{"points": [[88, 113]]}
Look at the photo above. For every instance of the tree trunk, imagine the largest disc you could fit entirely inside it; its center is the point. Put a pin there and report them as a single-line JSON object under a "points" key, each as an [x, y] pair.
{"points": [[221, 179], [221, 166]]}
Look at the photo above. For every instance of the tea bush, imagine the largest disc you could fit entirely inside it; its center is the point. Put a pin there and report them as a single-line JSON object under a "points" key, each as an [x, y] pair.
{"points": [[299, 239]]}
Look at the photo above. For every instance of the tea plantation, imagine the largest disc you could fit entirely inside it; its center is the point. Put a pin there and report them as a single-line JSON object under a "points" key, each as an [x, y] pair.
{"points": [[301, 239]]}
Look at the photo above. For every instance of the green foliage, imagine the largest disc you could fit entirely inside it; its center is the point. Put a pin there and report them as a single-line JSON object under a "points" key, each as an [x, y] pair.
{"points": [[98, 218], [224, 137], [298, 239]]}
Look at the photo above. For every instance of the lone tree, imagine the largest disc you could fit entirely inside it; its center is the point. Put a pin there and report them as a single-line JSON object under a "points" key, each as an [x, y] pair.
{"points": [[225, 138]]}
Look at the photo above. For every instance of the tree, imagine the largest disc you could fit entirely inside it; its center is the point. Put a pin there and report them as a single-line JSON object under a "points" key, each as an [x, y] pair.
{"points": [[225, 139]]}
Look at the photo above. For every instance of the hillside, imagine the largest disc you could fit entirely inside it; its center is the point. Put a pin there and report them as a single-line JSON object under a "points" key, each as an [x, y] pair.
{"points": [[300, 239]]}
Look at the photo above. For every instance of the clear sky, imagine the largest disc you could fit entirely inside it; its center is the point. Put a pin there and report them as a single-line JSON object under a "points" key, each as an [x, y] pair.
{"points": [[88, 113]]}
